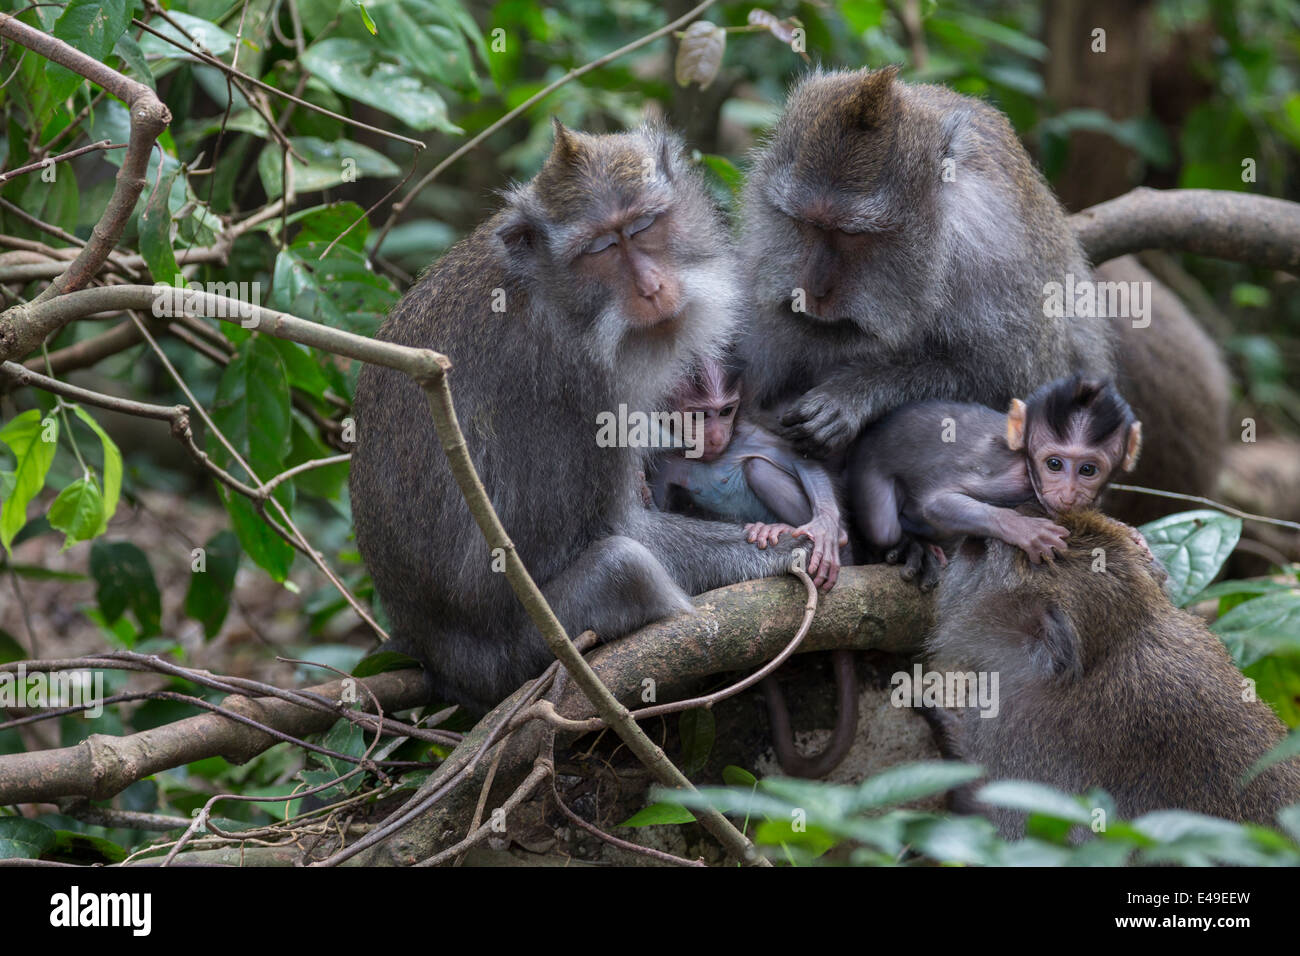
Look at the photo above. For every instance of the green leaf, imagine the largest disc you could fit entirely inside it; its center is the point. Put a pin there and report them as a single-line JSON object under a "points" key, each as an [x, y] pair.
{"points": [[128, 50], [78, 511], [657, 814], [23, 839], [112, 466], [1192, 545], [912, 781], [1262, 626], [734, 776], [383, 661], [91, 26], [365, 18], [204, 32], [1289, 747], [326, 165], [33, 443], [1035, 798], [366, 72], [340, 291], [698, 731], [156, 231], [208, 598], [253, 410], [124, 580]]}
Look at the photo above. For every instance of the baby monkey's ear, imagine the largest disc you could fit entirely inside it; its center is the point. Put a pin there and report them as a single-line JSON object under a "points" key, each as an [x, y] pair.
{"points": [[1016, 425], [1132, 446]]}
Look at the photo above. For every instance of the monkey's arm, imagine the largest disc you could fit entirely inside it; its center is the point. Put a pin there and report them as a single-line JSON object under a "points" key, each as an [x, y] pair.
{"points": [[811, 511], [952, 513], [824, 420]]}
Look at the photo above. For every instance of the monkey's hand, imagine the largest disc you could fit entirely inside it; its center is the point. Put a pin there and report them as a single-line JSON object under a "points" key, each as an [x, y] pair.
{"points": [[826, 537], [920, 562], [1039, 538], [820, 425]]}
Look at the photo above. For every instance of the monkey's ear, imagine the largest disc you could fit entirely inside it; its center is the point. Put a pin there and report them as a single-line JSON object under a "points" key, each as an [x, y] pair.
{"points": [[1016, 425], [519, 234], [1132, 445], [870, 104], [565, 151], [1055, 649]]}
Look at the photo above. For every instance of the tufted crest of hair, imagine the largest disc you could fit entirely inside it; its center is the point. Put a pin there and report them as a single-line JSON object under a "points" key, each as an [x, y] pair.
{"points": [[1082, 408], [710, 378]]}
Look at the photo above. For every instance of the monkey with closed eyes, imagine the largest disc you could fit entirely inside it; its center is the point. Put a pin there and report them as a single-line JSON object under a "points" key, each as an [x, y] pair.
{"points": [[597, 285], [898, 246], [936, 471]]}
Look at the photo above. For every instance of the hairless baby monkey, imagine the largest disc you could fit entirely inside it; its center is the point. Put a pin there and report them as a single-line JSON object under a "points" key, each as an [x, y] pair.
{"points": [[932, 472], [744, 472]]}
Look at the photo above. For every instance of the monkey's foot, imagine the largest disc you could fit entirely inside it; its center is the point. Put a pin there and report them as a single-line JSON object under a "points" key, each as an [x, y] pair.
{"points": [[763, 535], [919, 562]]}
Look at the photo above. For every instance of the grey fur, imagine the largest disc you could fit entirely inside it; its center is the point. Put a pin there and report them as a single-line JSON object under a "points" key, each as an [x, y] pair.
{"points": [[528, 384]]}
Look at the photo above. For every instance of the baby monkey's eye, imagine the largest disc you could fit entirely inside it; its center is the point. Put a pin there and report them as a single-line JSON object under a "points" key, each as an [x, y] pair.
{"points": [[640, 225], [728, 411], [601, 243], [1088, 470], [1054, 464]]}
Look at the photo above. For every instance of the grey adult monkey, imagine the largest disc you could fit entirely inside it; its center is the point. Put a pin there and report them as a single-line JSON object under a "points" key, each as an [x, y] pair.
{"points": [[596, 286]]}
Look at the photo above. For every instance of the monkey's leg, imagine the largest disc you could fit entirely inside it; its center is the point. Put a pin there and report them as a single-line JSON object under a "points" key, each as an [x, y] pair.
{"points": [[614, 587], [846, 722], [876, 502], [701, 555]]}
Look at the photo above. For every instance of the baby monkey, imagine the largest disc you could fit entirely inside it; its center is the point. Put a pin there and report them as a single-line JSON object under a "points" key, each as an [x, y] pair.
{"points": [[932, 472], [746, 473]]}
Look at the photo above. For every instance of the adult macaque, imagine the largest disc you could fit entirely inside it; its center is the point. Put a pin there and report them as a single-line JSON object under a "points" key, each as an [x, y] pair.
{"points": [[1102, 682], [899, 246], [743, 472], [597, 286], [936, 471]]}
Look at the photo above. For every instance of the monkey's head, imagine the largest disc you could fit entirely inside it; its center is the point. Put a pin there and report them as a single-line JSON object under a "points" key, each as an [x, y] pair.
{"points": [[617, 234], [843, 206], [712, 391], [1036, 623], [1077, 433]]}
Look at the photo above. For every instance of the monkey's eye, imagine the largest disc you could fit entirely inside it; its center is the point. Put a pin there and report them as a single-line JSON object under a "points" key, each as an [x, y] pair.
{"points": [[1054, 464], [1088, 470], [728, 411], [601, 243], [640, 225]]}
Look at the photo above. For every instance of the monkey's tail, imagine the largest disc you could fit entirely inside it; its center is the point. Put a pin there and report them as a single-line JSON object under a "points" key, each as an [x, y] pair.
{"points": [[846, 722]]}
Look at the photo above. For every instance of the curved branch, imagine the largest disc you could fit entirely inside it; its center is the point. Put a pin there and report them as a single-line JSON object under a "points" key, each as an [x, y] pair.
{"points": [[1241, 227], [149, 117]]}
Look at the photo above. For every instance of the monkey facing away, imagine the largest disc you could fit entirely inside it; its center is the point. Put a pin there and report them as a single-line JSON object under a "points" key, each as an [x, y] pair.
{"points": [[898, 246], [597, 285], [937, 471], [1102, 682], [746, 473]]}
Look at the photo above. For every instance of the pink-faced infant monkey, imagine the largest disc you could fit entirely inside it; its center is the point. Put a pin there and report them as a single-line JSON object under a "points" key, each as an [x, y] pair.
{"points": [[932, 472]]}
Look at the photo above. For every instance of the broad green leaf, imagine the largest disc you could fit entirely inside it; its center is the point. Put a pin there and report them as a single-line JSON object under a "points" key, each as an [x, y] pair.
{"points": [[366, 72], [33, 443], [205, 33], [340, 291], [112, 466], [657, 814], [1034, 798], [156, 231], [912, 781], [23, 839], [91, 26], [132, 56], [267, 549], [124, 580], [327, 165], [325, 223], [1288, 747], [208, 598], [1192, 545], [734, 776], [78, 511], [1262, 626]]}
